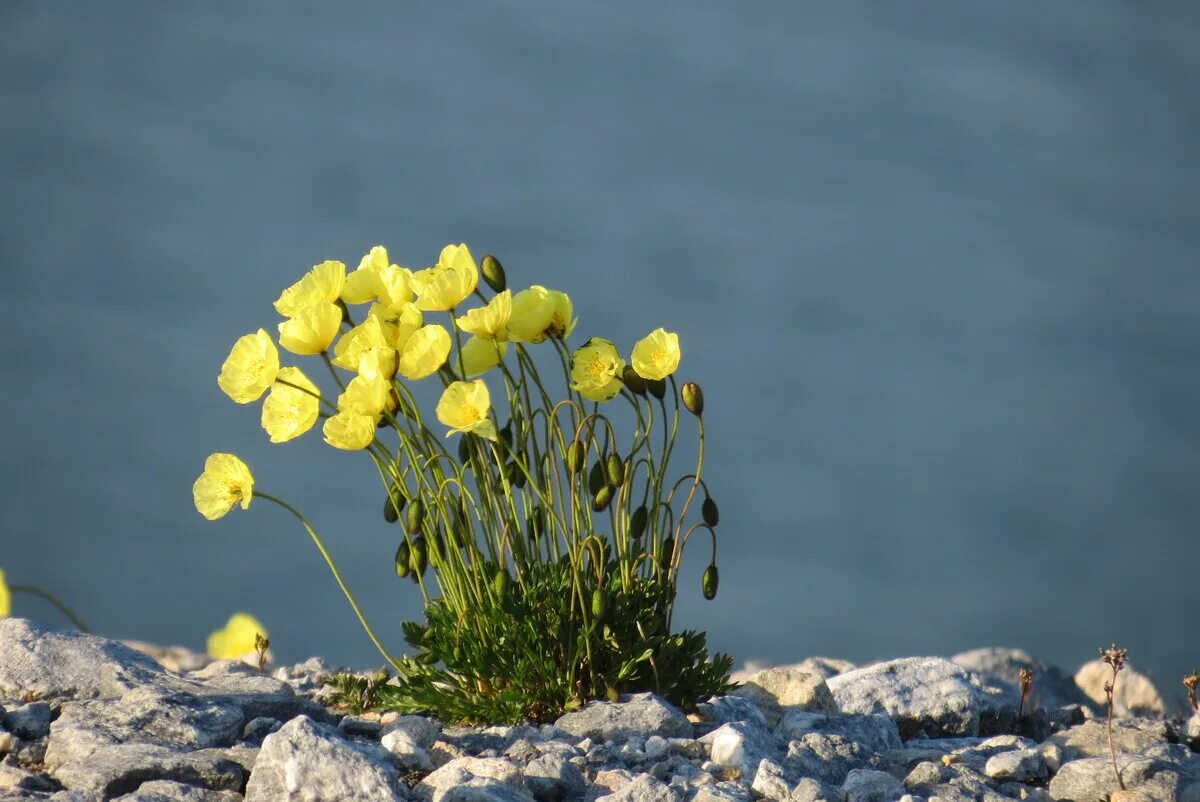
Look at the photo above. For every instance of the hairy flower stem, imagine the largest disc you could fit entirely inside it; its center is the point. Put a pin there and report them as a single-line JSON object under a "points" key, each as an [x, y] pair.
{"points": [[1115, 658], [54, 601], [336, 575]]}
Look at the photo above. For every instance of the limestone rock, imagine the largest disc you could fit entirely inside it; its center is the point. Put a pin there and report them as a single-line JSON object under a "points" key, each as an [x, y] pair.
{"points": [[173, 658], [777, 689], [150, 715], [1001, 668], [1019, 765], [406, 752], [1135, 694], [644, 788], [874, 731], [308, 762], [1130, 736], [922, 694], [720, 710], [771, 781], [741, 746], [552, 778], [723, 792], [168, 791], [641, 715], [478, 773], [828, 758], [869, 785], [30, 721], [1092, 779], [810, 790]]}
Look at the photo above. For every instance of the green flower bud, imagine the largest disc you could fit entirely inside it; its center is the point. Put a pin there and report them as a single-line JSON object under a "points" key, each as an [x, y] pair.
{"points": [[709, 582], [433, 547], [392, 508], [637, 524], [635, 383], [403, 565], [514, 474], [576, 455], [598, 478], [416, 516], [602, 498], [506, 435], [666, 552], [464, 450], [493, 273], [419, 557], [657, 388], [616, 470], [500, 582], [709, 511], [693, 398], [612, 694], [599, 604]]}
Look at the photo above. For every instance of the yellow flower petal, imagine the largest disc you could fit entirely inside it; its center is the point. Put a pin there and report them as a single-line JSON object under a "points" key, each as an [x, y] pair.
{"points": [[311, 330], [481, 354], [349, 431], [424, 352], [288, 413], [322, 284], [236, 638], [596, 369], [353, 344], [464, 408], [538, 313], [226, 481], [370, 392], [656, 356], [491, 320], [5, 597], [445, 285], [250, 367]]}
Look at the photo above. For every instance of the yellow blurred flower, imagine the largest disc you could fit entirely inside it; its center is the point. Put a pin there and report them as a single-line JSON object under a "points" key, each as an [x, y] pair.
{"points": [[250, 367], [656, 356], [366, 336], [5, 597], [288, 413], [424, 352], [370, 392], [490, 320], [445, 285], [226, 481], [322, 284], [481, 354], [538, 313], [349, 431], [595, 368], [464, 408], [236, 639], [312, 329]]}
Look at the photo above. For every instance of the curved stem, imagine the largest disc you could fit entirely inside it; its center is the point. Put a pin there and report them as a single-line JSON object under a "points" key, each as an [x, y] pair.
{"points": [[54, 601], [336, 575]]}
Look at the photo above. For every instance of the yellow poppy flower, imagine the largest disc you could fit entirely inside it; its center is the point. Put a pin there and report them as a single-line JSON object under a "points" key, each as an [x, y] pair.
{"points": [[322, 284], [226, 481], [288, 413], [5, 597], [424, 352], [464, 408], [250, 367], [481, 354], [349, 431], [538, 313], [445, 285], [312, 329], [366, 336], [490, 320], [370, 392], [656, 356], [595, 368], [395, 286], [236, 639], [360, 286], [399, 323]]}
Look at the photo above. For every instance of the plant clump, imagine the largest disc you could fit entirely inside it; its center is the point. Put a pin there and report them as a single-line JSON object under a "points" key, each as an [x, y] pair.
{"points": [[547, 542]]}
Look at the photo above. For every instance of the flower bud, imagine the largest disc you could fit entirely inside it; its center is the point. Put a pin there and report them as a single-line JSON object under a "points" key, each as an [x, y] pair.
{"points": [[500, 582], [598, 477], [612, 694], [709, 511], [616, 470], [637, 524], [666, 553], [635, 383], [709, 582], [506, 436], [419, 556], [576, 455], [464, 450], [493, 273], [403, 564], [602, 498], [657, 388], [599, 604], [392, 507], [416, 516], [693, 398]]}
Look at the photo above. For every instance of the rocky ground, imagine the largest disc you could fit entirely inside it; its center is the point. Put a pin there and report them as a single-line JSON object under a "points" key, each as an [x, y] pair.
{"points": [[85, 719]]}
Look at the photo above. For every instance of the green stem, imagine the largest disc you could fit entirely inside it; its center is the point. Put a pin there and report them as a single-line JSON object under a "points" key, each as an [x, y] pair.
{"points": [[54, 601], [336, 575]]}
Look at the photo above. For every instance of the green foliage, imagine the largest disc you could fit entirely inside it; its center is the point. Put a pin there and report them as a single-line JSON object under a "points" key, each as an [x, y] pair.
{"points": [[357, 693], [520, 654]]}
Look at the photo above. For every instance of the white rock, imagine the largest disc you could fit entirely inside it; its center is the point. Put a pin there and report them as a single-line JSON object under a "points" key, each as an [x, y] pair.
{"points": [[1135, 694], [405, 750], [1021, 765]]}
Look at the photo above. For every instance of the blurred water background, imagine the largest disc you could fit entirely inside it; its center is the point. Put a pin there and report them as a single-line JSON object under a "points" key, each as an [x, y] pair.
{"points": [[934, 264]]}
